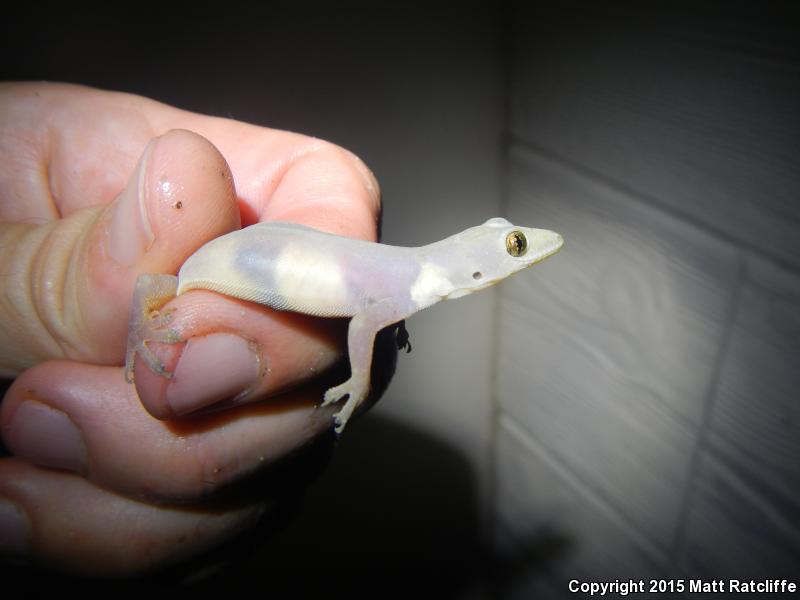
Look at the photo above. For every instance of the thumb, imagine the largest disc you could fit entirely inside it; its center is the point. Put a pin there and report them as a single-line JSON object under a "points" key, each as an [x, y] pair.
{"points": [[68, 283]]}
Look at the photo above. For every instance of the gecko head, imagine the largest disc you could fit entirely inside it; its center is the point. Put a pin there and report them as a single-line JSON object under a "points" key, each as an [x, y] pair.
{"points": [[490, 252]]}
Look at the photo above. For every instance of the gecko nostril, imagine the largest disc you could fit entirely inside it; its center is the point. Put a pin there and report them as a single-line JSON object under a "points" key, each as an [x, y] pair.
{"points": [[477, 275]]}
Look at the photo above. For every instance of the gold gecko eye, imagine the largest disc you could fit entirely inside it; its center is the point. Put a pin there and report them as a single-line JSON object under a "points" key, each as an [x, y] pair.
{"points": [[516, 243]]}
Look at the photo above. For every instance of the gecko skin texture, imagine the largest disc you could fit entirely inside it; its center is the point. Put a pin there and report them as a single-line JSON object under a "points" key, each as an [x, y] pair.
{"points": [[296, 268]]}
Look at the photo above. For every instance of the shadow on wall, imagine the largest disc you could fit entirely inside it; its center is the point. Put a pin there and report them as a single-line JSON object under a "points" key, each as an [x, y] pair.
{"points": [[395, 514]]}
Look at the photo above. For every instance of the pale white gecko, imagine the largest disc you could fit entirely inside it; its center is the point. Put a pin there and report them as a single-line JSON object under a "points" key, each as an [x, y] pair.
{"points": [[296, 268]]}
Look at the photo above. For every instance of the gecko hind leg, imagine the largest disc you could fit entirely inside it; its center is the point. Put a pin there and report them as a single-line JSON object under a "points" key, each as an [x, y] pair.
{"points": [[148, 323]]}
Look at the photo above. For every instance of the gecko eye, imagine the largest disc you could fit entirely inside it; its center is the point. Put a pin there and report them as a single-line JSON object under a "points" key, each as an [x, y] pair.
{"points": [[477, 275], [516, 243]]}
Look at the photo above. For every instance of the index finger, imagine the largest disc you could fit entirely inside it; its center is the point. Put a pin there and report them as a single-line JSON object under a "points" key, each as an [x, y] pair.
{"points": [[284, 176], [68, 147]]}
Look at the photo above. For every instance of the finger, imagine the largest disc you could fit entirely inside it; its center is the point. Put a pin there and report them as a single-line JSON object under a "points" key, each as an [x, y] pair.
{"points": [[67, 147], [69, 282], [86, 419], [236, 353], [68, 523], [283, 176]]}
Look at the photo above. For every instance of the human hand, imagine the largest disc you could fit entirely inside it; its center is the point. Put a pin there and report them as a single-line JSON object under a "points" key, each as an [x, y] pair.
{"points": [[99, 187]]}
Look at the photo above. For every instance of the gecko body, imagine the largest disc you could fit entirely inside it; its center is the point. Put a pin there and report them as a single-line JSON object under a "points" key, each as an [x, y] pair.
{"points": [[299, 269]]}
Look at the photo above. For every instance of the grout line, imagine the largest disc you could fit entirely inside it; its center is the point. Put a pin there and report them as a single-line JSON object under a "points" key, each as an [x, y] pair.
{"points": [[652, 201], [752, 495], [701, 444], [506, 49], [494, 413], [655, 553], [507, 54]]}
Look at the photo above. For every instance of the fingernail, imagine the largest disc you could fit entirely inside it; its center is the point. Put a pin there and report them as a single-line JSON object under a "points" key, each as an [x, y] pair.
{"points": [[14, 530], [212, 368], [130, 234], [46, 436], [368, 178]]}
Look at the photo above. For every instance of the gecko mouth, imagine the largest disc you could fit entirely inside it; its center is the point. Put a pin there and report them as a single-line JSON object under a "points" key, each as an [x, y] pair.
{"points": [[461, 292]]}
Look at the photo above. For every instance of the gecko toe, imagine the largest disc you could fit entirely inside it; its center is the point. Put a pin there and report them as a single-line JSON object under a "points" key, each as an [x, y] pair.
{"points": [[332, 396], [338, 426]]}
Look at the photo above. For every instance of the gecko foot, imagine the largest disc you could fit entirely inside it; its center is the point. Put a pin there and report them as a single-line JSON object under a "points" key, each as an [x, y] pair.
{"points": [[340, 419], [139, 347], [336, 393], [356, 395], [149, 322], [158, 319]]}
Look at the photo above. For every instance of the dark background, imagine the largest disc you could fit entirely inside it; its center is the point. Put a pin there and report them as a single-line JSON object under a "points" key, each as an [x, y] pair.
{"points": [[631, 412]]}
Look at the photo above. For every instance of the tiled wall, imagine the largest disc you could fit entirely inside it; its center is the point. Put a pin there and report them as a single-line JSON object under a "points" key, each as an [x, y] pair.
{"points": [[648, 376]]}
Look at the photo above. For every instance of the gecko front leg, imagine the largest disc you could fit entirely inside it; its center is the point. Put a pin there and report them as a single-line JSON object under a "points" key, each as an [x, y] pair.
{"points": [[360, 342], [147, 322]]}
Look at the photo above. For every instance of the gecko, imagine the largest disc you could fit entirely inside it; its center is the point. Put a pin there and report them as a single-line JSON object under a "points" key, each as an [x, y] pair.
{"points": [[292, 267]]}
